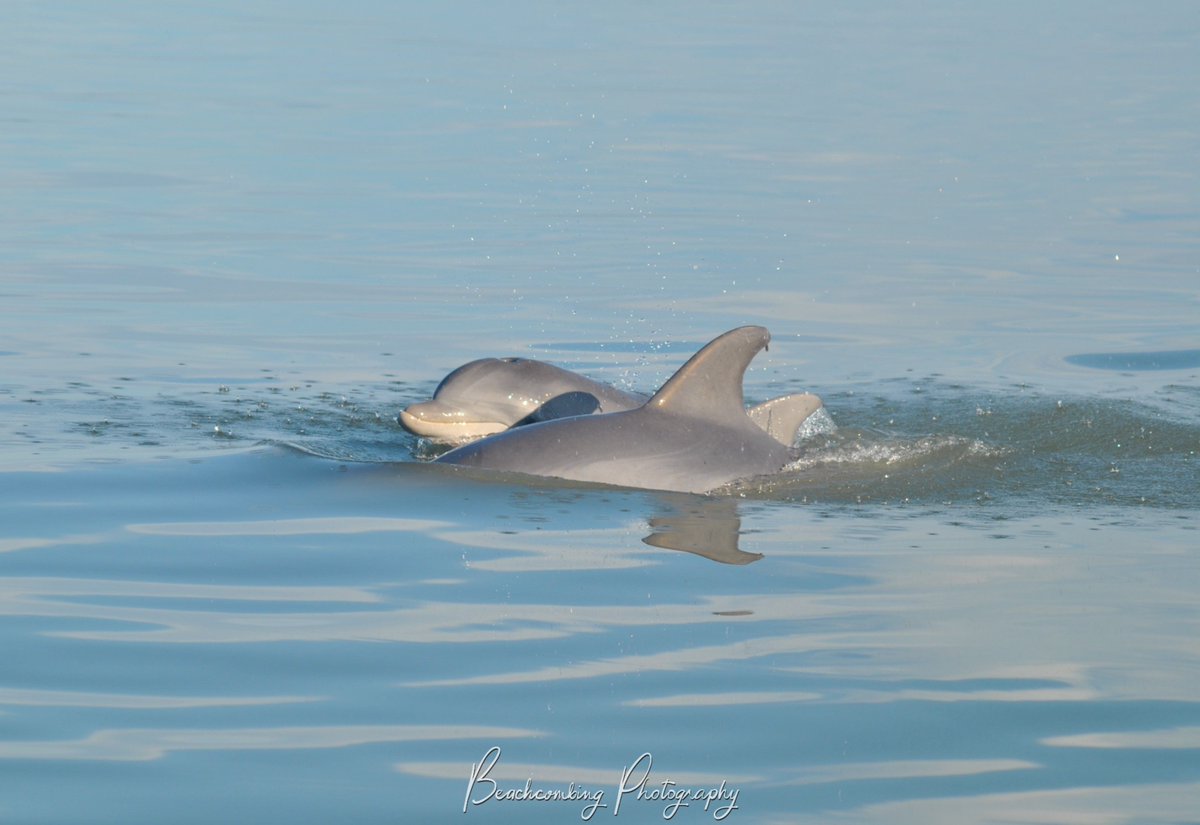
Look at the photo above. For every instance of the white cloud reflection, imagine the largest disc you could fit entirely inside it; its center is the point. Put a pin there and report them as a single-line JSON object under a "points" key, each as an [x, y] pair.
{"points": [[562, 774], [746, 697], [548, 550], [1182, 738], [31, 590], [145, 744], [907, 769], [1164, 803], [432, 621], [12, 545], [288, 527], [681, 659], [82, 699]]}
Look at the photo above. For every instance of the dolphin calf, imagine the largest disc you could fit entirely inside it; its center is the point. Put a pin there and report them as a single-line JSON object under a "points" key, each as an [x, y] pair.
{"points": [[693, 435], [494, 394]]}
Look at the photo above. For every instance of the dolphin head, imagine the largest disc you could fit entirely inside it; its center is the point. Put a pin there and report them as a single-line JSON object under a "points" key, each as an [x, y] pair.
{"points": [[477, 399], [493, 394]]}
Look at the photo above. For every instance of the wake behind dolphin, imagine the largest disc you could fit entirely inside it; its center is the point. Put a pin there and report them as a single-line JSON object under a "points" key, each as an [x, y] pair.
{"points": [[694, 435]]}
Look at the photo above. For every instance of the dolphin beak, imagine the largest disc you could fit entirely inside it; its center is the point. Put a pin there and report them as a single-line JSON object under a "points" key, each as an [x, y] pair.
{"points": [[445, 422]]}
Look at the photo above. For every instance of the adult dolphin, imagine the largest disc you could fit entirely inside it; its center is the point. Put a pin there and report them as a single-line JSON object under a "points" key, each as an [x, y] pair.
{"points": [[692, 436], [491, 395]]}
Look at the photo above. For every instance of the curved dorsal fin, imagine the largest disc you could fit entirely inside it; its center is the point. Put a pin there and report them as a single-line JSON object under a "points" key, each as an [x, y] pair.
{"points": [[709, 385], [782, 417]]}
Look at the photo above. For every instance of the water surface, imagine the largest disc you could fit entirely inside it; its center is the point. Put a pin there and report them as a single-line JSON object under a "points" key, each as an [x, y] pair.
{"points": [[236, 240]]}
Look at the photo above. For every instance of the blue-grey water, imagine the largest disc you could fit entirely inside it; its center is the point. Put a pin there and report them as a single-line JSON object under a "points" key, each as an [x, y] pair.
{"points": [[235, 239]]}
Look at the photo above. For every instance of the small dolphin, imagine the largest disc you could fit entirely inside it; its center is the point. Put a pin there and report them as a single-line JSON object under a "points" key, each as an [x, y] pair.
{"points": [[693, 435], [494, 394]]}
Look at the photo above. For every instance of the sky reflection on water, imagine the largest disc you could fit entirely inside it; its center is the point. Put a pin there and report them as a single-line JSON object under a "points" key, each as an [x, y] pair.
{"points": [[994, 621]]}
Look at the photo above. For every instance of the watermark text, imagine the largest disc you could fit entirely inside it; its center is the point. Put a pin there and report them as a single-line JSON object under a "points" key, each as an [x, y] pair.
{"points": [[633, 785]]}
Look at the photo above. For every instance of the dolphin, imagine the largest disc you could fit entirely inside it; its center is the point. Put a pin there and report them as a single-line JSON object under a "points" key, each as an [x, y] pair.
{"points": [[691, 436], [494, 394]]}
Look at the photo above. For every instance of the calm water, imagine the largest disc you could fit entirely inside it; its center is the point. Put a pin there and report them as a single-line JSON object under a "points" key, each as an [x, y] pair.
{"points": [[235, 240]]}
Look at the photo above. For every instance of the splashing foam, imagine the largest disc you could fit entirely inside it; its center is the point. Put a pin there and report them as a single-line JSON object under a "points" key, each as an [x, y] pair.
{"points": [[817, 424], [891, 452]]}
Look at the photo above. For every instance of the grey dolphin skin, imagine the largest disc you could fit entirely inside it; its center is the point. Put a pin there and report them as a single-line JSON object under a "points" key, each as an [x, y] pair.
{"points": [[493, 394], [782, 417], [692, 436]]}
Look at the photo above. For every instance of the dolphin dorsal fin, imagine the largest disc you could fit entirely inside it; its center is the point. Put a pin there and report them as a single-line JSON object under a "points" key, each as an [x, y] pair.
{"points": [[709, 385], [782, 417]]}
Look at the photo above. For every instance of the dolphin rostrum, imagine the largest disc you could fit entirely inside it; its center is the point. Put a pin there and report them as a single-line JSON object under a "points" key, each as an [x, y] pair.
{"points": [[493, 394], [693, 435]]}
